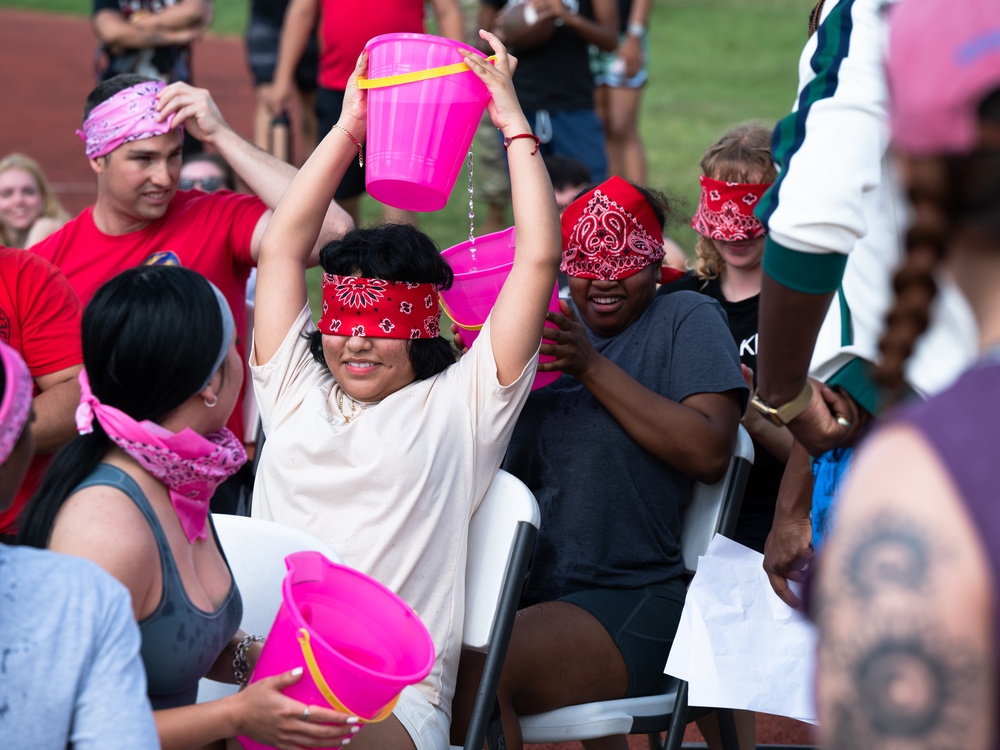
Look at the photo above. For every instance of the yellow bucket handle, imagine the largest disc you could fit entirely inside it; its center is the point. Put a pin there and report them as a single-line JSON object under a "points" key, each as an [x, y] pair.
{"points": [[307, 654], [451, 315], [417, 75]]}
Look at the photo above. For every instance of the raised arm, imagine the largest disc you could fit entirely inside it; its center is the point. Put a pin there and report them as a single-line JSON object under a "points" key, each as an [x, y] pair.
{"points": [[519, 314], [905, 608], [298, 224], [265, 175]]}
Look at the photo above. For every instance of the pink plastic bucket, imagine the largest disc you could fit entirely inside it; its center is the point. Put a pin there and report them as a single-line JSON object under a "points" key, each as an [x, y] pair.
{"points": [[419, 132], [478, 280], [358, 642]]}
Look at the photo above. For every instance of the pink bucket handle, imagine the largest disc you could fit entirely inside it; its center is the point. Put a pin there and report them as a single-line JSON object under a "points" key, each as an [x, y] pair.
{"points": [[306, 567]]}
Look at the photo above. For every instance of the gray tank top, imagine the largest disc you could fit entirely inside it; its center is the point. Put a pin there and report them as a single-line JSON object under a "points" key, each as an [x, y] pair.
{"points": [[180, 642]]}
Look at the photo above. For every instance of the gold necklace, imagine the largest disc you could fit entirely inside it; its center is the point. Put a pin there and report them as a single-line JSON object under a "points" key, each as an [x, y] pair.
{"points": [[355, 411]]}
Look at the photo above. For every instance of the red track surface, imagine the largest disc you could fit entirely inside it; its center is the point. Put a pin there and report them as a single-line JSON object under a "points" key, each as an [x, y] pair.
{"points": [[48, 71]]}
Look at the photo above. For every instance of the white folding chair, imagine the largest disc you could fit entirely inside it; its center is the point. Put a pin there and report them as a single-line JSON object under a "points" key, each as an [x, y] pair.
{"points": [[256, 551], [501, 538], [713, 508]]}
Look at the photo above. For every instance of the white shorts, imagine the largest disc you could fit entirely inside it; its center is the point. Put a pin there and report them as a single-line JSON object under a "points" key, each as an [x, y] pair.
{"points": [[427, 725]]}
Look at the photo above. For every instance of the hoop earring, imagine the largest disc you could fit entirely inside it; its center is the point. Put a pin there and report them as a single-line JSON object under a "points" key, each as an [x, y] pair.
{"points": [[211, 404]]}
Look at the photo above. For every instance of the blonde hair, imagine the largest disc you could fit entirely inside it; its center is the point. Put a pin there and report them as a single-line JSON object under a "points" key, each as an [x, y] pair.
{"points": [[742, 154], [51, 208]]}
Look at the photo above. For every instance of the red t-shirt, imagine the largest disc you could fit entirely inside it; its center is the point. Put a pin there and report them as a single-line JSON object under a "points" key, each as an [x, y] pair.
{"points": [[346, 26], [209, 233], [40, 318]]}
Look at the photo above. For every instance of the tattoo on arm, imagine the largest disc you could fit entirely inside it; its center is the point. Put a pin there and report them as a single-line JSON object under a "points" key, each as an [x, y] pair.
{"points": [[896, 678]]}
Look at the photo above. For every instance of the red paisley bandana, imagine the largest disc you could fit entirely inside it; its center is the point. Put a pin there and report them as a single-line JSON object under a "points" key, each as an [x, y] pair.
{"points": [[725, 210], [610, 233], [356, 306]]}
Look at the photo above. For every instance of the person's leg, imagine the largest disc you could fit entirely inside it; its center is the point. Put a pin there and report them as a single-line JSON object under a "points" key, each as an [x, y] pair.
{"points": [[559, 655], [746, 729], [626, 152], [608, 645], [414, 723]]}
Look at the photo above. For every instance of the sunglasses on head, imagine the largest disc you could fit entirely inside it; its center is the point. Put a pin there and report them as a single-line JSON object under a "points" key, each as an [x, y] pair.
{"points": [[205, 184]]}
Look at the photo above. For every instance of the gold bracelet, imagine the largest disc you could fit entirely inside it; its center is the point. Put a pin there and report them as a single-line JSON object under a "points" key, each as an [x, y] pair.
{"points": [[355, 141]]}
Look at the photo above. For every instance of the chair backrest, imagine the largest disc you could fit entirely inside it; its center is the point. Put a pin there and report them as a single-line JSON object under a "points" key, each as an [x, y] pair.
{"points": [[715, 507], [503, 525], [256, 551]]}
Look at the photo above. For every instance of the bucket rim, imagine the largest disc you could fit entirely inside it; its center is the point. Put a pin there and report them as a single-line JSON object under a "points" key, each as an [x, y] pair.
{"points": [[413, 36], [299, 621]]}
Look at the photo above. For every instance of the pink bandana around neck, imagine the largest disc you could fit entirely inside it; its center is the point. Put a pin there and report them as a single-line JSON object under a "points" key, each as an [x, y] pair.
{"points": [[15, 401], [129, 115], [189, 464]]}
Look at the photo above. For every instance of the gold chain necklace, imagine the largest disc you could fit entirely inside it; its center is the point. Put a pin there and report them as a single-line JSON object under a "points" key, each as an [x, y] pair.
{"points": [[355, 411]]}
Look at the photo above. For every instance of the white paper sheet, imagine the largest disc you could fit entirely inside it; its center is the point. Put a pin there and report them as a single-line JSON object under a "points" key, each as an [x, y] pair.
{"points": [[738, 645]]}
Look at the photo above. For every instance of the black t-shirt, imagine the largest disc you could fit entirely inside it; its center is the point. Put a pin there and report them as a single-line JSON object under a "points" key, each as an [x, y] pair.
{"points": [[556, 76], [765, 476], [168, 64], [610, 509]]}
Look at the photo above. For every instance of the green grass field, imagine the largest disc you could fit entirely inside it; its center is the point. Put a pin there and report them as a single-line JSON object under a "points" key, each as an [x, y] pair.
{"points": [[713, 63]]}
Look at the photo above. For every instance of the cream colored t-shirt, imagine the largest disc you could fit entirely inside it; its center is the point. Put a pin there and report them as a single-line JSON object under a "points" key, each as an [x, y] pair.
{"points": [[393, 490]]}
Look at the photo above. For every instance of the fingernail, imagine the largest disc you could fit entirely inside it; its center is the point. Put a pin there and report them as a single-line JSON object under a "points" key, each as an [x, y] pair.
{"points": [[345, 741], [352, 720], [355, 730], [297, 671]]}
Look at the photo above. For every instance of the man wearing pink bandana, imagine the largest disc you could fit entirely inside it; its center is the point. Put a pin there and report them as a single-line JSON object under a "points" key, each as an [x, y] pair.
{"points": [[133, 131]]}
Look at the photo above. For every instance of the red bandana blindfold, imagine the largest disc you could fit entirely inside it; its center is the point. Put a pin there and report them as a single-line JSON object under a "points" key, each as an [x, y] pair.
{"points": [[356, 306], [610, 233], [725, 210]]}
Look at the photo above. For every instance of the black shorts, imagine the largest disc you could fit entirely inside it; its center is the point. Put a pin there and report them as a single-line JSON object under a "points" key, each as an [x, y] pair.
{"points": [[329, 102], [262, 56], [642, 623]]}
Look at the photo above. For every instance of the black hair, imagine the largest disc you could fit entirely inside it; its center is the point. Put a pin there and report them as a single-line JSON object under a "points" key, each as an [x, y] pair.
{"points": [[106, 89], [394, 252], [564, 171], [948, 194], [151, 336]]}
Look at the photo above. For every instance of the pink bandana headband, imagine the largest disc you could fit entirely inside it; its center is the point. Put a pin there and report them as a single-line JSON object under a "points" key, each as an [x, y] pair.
{"points": [[610, 233], [129, 115], [15, 404], [356, 306], [725, 210], [189, 464]]}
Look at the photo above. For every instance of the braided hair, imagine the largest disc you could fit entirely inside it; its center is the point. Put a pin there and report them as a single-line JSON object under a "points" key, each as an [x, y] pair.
{"points": [[948, 194]]}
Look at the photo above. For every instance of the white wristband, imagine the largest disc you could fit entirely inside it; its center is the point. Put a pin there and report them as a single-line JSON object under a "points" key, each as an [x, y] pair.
{"points": [[635, 29]]}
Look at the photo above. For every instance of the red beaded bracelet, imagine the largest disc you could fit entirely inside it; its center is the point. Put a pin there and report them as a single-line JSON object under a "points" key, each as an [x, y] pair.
{"points": [[511, 138]]}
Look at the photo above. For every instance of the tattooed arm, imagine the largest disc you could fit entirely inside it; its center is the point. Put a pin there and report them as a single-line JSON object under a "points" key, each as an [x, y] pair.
{"points": [[904, 605]]}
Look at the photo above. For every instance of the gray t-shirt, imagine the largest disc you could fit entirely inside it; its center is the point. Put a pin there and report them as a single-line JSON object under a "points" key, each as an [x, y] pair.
{"points": [[70, 672], [610, 509]]}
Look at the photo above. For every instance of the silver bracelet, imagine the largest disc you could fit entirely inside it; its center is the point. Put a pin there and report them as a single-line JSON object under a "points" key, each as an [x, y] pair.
{"points": [[241, 670]]}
